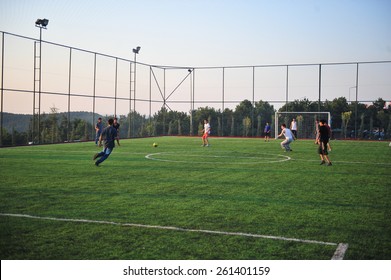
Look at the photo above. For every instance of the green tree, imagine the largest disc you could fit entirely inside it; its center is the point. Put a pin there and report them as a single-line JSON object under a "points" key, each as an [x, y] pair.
{"points": [[345, 121], [304, 105], [259, 125], [232, 126], [246, 126], [243, 110], [226, 122], [388, 131], [264, 112], [338, 106], [53, 122]]}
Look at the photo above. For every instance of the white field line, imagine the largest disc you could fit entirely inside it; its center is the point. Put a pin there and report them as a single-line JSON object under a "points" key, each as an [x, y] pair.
{"points": [[344, 162], [269, 160], [150, 156], [338, 255]]}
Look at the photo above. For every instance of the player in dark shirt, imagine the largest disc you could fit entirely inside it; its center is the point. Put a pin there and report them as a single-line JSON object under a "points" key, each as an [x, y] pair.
{"points": [[98, 130], [266, 131], [116, 126], [322, 140], [109, 135]]}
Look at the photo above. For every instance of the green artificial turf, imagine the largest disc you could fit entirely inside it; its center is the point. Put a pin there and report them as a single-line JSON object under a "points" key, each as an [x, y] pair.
{"points": [[236, 185]]}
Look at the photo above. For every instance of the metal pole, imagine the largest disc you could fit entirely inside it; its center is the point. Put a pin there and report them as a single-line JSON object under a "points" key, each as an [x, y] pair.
{"points": [[39, 85], [286, 93], [93, 98], [222, 105], [164, 101], [150, 93], [193, 88], [253, 103], [356, 105], [191, 109], [134, 92], [115, 87], [320, 86], [69, 94], [34, 93], [2, 88], [130, 101], [350, 100]]}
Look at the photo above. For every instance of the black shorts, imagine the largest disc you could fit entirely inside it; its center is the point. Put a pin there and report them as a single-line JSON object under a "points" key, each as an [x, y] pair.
{"points": [[322, 149]]}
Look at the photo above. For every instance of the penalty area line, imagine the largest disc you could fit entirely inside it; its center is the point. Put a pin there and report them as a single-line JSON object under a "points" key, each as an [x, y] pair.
{"points": [[338, 255]]}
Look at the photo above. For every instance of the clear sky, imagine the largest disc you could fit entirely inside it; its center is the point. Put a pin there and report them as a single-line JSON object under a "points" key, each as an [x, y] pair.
{"points": [[215, 32]]}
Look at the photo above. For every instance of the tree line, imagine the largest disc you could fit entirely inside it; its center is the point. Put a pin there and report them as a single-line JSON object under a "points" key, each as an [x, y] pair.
{"points": [[351, 120]]}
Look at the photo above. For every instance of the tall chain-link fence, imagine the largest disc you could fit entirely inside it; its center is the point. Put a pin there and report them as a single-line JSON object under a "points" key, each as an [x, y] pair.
{"points": [[54, 93]]}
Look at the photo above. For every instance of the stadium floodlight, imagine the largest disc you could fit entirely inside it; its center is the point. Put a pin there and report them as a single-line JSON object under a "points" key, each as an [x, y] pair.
{"points": [[41, 23], [136, 50]]}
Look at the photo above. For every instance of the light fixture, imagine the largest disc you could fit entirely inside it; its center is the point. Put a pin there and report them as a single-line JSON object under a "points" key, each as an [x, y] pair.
{"points": [[136, 50], [42, 23]]}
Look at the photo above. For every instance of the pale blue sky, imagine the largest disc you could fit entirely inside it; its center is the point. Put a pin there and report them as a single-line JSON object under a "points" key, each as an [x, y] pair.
{"points": [[216, 33]]}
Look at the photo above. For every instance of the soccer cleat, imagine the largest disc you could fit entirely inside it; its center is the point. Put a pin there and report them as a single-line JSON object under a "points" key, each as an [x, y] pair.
{"points": [[97, 163], [329, 164], [322, 162], [95, 156]]}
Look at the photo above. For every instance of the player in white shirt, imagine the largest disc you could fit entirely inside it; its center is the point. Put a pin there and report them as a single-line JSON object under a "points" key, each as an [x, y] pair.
{"points": [[289, 137], [205, 135], [294, 127]]}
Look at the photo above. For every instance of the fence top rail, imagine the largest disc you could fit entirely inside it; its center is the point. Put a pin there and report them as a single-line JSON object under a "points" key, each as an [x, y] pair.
{"points": [[171, 67], [289, 112]]}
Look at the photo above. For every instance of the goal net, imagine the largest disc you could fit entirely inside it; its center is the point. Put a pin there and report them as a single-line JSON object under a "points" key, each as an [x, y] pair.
{"points": [[306, 122]]}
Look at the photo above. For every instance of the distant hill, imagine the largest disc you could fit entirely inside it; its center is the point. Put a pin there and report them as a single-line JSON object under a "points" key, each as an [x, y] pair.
{"points": [[21, 122]]}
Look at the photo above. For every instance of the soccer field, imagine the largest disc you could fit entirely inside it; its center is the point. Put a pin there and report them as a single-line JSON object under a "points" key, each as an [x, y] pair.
{"points": [[237, 199]]}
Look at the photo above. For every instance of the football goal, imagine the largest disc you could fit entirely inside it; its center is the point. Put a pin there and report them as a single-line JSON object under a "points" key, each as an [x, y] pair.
{"points": [[306, 122]]}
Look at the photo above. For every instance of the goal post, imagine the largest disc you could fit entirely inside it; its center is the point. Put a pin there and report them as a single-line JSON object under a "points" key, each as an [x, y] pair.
{"points": [[306, 127]]}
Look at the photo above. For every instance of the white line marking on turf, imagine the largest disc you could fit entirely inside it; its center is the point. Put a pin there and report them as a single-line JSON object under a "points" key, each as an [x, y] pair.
{"points": [[173, 228], [343, 162], [270, 160], [339, 254]]}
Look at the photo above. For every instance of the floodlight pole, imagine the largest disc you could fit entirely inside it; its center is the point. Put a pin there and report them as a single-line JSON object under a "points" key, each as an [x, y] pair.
{"points": [[39, 85], [135, 51], [2, 89], [356, 105], [41, 24], [320, 86], [287, 88], [191, 100]]}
